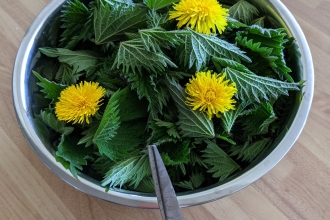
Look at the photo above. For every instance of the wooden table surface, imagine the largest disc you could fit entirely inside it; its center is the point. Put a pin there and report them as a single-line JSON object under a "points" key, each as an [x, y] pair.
{"points": [[297, 188]]}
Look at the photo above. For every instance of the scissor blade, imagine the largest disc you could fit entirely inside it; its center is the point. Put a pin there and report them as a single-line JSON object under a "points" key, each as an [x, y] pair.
{"points": [[167, 201]]}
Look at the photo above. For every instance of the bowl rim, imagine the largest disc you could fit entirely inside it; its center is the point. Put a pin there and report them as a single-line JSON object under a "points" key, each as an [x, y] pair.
{"points": [[129, 199]]}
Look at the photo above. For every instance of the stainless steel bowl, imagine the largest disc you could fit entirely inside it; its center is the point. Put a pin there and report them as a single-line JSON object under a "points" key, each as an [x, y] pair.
{"points": [[24, 84]]}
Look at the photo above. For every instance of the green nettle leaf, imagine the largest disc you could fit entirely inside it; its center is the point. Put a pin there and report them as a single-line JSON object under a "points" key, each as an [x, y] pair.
{"points": [[253, 88], [80, 60], [73, 43], [156, 20], [158, 4], [196, 180], [50, 89], [269, 43], [170, 126], [66, 75], [175, 153], [199, 48], [159, 135], [111, 22], [154, 89], [195, 158], [265, 52], [89, 134], [226, 138], [65, 164], [124, 3], [53, 32], [131, 36], [156, 38], [186, 185], [125, 142], [109, 123], [132, 171], [278, 36], [160, 92], [109, 83], [175, 173], [73, 11], [223, 62], [182, 168], [252, 150], [71, 155], [130, 106], [259, 119], [102, 164], [76, 18], [48, 69], [133, 55], [233, 23], [43, 130], [259, 21], [147, 88], [118, 141], [274, 22], [191, 123], [221, 165], [110, 80], [146, 185], [59, 126], [228, 119], [243, 11], [177, 76], [163, 131]]}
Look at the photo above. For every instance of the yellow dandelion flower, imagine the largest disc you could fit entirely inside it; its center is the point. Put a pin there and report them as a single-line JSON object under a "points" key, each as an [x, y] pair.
{"points": [[78, 102], [200, 15], [210, 93]]}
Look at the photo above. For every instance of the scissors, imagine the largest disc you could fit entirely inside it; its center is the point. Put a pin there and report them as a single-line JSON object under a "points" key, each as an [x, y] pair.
{"points": [[167, 201]]}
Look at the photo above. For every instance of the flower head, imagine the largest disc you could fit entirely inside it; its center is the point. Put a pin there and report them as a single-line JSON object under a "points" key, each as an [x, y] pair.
{"points": [[210, 93], [78, 102], [200, 15]]}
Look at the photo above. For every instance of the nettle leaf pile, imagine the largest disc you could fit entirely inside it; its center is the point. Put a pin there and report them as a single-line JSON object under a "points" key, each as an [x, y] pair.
{"points": [[143, 61]]}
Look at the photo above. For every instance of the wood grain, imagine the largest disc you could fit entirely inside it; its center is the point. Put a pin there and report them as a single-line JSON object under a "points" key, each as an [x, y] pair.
{"points": [[297, 188]]}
